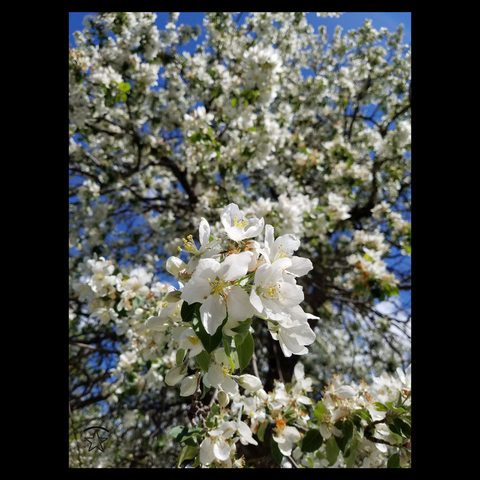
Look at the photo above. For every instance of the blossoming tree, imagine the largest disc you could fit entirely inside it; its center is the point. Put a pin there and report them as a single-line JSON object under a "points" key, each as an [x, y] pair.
{"points": [[239, 243]]}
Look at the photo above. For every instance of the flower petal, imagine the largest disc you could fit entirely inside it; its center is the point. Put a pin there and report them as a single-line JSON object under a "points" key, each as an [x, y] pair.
{"points": [[230, 386], [300, 266], [269, 238], [212, 313], [196, 290], [215, 375], [344, 392], [204, 232], [206, 452], [256, 301], [221, 449], [235, 266], [283, 246], [238, 304]]}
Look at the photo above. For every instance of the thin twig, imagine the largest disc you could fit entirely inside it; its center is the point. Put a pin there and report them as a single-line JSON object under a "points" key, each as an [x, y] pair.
{"points": [[293, 461]]}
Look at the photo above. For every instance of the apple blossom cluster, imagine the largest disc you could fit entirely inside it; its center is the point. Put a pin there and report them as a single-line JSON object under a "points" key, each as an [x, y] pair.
{"points": [[363, 426], [227, 281]]}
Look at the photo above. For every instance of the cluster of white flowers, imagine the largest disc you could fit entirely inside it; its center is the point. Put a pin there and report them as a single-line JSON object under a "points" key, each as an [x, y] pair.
{"points": [[262, 67], [378, 414], [231, 279]]}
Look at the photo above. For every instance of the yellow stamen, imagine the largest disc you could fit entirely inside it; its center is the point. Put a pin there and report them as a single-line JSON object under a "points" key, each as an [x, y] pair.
{"points": [[218, 286], [189, 245], [239, 224]]}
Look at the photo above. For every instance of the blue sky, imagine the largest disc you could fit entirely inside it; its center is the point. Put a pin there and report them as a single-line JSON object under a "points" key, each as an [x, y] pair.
{"points": [[348, 20]]}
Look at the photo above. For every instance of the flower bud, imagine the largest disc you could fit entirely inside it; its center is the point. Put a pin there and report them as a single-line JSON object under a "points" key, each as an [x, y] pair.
{"points": [[173, 296], [262, 395], [223, 398], [174, 265], [189, 385], [175, 375], [249, 382]]}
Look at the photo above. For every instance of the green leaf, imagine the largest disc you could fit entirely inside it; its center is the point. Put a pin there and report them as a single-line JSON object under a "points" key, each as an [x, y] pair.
{"points": [[380, 407], [180, 355], [211, 238], [211, 416], [312, 440], [234, 102], [332, 451], [243, 328], [276, 453], [231, 362], [190, 441], [196, 463], [261, 431], [396, 433], [187, 453], [245, 350], [320, 410], [135, 303], [124, 87], [226, 344], [364, 414], [188, 311], [394, 461], [210, 342], [196, 137], [228, 350], [357, 421], [203, 360], [310, 462], [185, 435], [350, 457], [395, 409], [346, 427], [403, 427], [176, 431]]}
